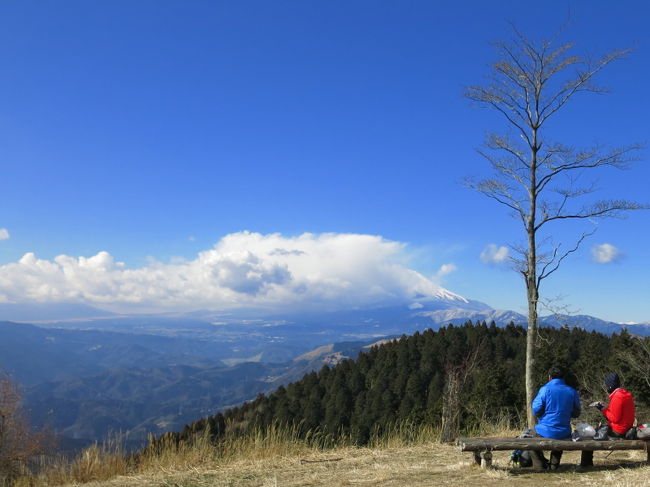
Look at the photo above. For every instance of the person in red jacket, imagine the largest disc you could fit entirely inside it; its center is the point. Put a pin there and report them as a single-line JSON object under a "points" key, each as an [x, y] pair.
{"points": [[619, 414], [620, 411]]}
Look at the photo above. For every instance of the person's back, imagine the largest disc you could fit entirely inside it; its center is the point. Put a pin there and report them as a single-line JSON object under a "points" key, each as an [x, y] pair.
{"points": [[555, 404], [620, 413]]}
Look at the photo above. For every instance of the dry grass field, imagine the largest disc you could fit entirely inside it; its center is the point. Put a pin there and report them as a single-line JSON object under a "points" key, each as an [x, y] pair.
{"points": [[426, 464], [408, 456]]}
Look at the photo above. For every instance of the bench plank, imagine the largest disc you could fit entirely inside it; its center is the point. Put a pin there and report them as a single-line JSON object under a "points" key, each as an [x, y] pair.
{"points": [[492, 444]]}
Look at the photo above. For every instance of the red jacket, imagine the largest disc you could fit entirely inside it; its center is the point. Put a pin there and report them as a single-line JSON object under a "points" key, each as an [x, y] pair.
{"points": [[620, 412]]}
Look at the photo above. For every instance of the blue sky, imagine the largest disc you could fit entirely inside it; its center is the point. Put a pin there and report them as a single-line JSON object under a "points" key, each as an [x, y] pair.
{"points": [[146, 133]]}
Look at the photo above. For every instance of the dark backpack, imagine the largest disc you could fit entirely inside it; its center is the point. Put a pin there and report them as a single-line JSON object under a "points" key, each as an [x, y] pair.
{"points": [[631, 434], [521, 458]]}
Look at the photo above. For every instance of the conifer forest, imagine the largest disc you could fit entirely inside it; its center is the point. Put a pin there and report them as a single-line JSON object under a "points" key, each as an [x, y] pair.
{"points": [[456, 378]]}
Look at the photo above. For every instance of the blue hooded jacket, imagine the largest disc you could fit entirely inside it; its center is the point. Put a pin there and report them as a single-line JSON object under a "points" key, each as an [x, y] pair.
{"points": [[556, 403]]}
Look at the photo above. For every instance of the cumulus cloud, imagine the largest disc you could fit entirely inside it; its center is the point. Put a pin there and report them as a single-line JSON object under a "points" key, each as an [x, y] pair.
{"points": [[242, 270], [493, 254], [605, 253], [4, 234]]}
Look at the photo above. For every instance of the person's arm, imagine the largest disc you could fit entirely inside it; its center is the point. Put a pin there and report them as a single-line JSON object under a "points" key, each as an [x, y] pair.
{"points": [[539, 403], [576, 405], [614, 412]]}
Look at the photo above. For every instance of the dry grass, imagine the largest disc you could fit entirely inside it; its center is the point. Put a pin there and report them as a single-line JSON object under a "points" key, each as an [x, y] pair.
{"points": [[407, 457], [426, 464]]}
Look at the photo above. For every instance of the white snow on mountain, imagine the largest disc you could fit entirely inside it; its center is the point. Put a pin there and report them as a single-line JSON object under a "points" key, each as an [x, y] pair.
{"points": [[455, 315], [447, 295]]}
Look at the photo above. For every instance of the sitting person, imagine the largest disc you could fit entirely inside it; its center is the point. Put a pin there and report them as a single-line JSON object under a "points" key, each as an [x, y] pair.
{"points": [[620, 412], [554, 406], [619, 415]]}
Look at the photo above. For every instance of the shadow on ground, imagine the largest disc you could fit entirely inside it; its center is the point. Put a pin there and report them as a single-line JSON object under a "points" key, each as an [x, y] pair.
{"points": [[571, 468]]}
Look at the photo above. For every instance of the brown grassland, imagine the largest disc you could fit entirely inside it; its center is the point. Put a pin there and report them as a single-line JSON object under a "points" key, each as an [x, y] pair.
{"points": [[278, 458], [429, 464]]}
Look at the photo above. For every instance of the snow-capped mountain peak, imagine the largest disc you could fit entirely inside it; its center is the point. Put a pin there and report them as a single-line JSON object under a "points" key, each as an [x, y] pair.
{"points": [[447, 295]]}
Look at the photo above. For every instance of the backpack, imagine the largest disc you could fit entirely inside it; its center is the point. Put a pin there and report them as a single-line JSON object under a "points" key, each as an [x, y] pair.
{"points": [[602, 433], [521, 458], [583, 431], [643, 431]]}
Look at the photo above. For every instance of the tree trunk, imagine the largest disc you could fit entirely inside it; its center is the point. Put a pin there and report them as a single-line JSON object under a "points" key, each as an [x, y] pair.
{"points": [[450, 424], [532, 286], [530, 354]]}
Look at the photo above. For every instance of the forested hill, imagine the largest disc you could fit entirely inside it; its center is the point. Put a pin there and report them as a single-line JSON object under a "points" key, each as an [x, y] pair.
{"points": [[410, 379]]}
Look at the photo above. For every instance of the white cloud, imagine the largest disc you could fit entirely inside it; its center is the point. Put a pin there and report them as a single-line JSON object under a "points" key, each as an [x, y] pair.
{"points": [[493, 254], [4, 234], [242, 269], [605, 253], [446, 269]]}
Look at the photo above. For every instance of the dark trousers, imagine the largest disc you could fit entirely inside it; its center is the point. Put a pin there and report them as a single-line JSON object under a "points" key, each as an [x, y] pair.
{"points": [[540, 461]]}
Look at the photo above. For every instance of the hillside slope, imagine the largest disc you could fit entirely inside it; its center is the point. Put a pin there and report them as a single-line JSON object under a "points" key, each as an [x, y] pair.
{"points": [[138, 401]]}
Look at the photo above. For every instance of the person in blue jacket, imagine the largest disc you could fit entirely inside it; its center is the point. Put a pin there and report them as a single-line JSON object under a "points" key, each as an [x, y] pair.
{"points": [[554, 406]]}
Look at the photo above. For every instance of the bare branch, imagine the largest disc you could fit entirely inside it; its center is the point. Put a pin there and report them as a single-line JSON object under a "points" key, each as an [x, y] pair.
{"points": [[496, 142], [590, 159], [581, 83], [498, 191], [545, 271], [555, 308], [549, 209], [494, 99], [601, 209], [523, 71]]}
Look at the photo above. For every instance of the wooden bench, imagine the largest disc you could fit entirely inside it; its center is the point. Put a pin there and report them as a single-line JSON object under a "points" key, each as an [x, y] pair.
{"points": [[482, 447]]}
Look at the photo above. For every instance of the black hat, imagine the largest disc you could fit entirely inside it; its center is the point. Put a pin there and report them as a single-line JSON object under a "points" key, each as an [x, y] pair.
{"points": [[612, 381]]}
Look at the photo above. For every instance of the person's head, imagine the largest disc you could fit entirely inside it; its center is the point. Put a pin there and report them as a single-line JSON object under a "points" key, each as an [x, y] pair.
{"points": [[612, 382], [555, 372]]}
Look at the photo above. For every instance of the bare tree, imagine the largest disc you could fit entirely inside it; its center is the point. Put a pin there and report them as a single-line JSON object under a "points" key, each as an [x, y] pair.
{"points": [[538, 179], [456, 375], [637, 358], [18, 444]]}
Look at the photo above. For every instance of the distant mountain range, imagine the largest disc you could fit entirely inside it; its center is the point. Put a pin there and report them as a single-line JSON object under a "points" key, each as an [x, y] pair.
{"points": [[443, 308], [502, 317], [34, 312], [87, 373]]}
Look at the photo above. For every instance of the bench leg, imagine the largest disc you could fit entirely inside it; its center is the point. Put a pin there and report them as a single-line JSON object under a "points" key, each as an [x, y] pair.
{"points": [[486, 459], [647, 451], [587, 458]]}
